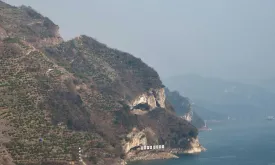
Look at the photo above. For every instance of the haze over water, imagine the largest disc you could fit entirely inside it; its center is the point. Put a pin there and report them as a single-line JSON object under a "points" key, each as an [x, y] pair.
{"points": [[232, 143]]}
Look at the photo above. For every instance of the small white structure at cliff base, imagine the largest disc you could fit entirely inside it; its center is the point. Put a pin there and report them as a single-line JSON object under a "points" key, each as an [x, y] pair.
{"points": [[154, 147]]}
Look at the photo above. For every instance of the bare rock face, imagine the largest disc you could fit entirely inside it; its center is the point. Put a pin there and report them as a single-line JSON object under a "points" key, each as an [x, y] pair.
{"points": [[195, 147], [150, 155], [133, 139], [138, 138], [154, 98], [160, 97], [188, 116]]}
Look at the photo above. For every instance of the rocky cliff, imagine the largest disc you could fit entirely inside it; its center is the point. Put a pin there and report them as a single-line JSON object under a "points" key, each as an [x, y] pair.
{"points": [[58, 96], [184, 108], [27, 24]]}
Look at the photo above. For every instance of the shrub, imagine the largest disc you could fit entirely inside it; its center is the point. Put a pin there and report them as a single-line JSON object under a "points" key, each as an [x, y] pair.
{"points": [[12, 40]]}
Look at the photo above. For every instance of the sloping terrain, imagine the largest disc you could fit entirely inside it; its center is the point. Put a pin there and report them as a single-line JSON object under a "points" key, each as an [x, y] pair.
{"points": [[57, 96], [184, 108], [27, 24], [229, 98]]}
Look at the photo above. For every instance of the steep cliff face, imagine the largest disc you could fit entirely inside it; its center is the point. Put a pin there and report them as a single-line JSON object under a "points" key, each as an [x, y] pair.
{"points": [[183, 108], [154, 98], [137, 138], [195, 146], [58, 96]]}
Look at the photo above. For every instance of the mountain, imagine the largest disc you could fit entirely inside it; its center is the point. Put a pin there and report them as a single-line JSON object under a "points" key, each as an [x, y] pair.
{"points": [[208, 114], [230, 98], [184, 108], [58, 96]]}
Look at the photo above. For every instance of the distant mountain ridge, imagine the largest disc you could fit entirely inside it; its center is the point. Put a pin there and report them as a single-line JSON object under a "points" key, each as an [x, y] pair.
{"points": [[268, 84], [226, 97], [184, 108]]}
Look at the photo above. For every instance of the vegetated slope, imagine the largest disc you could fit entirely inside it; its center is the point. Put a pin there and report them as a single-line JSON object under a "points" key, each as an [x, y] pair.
{"points": [[58, 96], [183, 107]]}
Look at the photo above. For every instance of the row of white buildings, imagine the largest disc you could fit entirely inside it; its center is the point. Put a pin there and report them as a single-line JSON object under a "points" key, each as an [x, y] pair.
{"points": [[155, 147]]}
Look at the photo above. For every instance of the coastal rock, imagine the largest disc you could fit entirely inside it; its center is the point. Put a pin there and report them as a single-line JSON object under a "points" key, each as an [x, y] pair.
{"points": [[188, 116], [150, 155], [195, 147]]}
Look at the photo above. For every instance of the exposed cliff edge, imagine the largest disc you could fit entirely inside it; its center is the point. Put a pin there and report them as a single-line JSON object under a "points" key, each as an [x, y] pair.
{"points": [[184, 108], [169, 153], [25, 23], [57, 97], [147, 101]]}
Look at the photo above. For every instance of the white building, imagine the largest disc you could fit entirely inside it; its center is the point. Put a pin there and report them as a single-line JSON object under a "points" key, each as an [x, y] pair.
{"points": [[154, 147]]}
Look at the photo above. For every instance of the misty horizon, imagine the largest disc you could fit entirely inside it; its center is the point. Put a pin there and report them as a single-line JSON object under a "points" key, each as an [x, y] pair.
{"points": [[217, 38]]}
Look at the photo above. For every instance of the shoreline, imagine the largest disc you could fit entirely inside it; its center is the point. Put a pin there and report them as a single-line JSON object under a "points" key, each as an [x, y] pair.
{"points": [[149, 155], [136, 156]]}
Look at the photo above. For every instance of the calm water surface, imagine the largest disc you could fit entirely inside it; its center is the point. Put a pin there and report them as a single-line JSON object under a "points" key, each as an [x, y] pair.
{"points": [[232, 143]]}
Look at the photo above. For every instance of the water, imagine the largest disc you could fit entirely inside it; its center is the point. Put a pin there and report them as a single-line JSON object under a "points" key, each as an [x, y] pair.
{"points": [[232, 143]]}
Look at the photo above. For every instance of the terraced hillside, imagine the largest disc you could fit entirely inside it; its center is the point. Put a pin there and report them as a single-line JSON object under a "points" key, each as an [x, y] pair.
{"points": [[57, 96]]}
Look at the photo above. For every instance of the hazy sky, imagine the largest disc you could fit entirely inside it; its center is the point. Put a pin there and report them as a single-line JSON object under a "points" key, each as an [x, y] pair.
{"points": [[232, 39]]}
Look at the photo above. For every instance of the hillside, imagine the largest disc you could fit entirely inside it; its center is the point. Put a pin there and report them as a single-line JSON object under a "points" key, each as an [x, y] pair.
{"points": [[57, 96], [230, 98], [208, 114], [183, 107]]}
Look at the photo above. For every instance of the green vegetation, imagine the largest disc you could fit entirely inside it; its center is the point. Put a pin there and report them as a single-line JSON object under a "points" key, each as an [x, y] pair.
{"points": [[193, 133], [12, 40], [3, 84], [51, 114], [93, 159]]}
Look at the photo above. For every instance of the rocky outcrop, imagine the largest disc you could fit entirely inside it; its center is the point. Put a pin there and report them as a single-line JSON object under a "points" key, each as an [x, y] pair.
{"points": [[188, 116], [154, 98], [195, 147], [134, 139], [149, 155], [27, 24], [168, 153]]}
